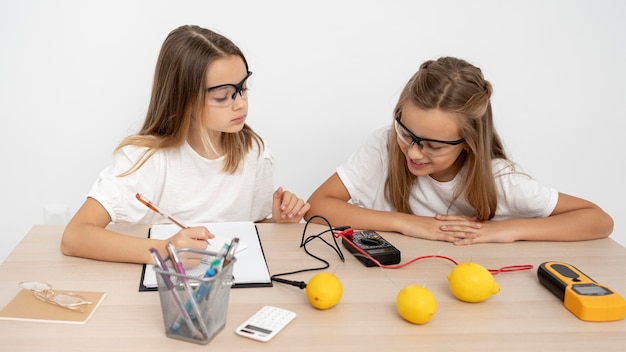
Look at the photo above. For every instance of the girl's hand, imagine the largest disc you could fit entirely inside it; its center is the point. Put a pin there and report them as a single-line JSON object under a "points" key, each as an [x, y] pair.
{"points": [[490, 231], [449, 228], [193, 237], [458, 228], [287, 207]]}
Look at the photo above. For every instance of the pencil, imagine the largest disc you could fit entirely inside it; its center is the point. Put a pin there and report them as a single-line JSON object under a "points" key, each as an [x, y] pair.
{"points": [[154, 208]]}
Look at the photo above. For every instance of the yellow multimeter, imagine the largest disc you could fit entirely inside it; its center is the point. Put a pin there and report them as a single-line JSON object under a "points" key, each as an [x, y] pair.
{"points": [[581, 295]]}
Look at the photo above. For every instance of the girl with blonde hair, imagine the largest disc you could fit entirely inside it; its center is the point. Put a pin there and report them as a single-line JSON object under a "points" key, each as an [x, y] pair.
{"points": [[195, 157], [441, 173]]}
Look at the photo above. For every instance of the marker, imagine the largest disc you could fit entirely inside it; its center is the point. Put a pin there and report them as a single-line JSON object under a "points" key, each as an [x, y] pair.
{"points": [[154, 208], [170, 286]]}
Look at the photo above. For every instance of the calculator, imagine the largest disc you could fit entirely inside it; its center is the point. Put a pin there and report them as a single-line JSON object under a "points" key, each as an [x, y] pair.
{"points": [[265, 323]]}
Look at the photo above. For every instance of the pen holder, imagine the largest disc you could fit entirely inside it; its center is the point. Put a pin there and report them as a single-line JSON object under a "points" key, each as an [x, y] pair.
{"points": [[195, 304]]}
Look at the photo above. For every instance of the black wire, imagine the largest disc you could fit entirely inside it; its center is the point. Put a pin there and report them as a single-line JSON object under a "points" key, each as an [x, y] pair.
{"points": [[303, 244], [310, 238]]}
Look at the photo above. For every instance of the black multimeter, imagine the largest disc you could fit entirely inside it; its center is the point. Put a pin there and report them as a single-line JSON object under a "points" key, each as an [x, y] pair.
{"points": [[580, 294], [374, 245]]}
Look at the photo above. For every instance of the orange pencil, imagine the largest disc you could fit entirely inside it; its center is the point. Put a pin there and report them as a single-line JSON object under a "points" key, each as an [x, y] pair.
{"points": [[151, 205]]}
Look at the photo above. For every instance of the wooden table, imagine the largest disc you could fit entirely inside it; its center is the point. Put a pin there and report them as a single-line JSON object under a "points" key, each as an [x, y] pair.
{"points": [[523, 316]]}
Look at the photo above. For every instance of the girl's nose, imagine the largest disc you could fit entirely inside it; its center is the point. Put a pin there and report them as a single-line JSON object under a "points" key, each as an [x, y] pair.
{"points": [[239, 101], [415, 151]]}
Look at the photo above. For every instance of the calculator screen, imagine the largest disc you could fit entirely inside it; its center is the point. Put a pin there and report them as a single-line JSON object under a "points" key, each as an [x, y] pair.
{"points": [[258, 329]]}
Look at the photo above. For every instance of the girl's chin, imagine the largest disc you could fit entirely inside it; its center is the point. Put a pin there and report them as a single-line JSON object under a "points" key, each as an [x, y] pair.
{"points": [[233, 128]]}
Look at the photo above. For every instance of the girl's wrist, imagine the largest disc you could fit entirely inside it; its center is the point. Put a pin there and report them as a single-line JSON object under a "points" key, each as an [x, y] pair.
{"points": [[401, 222]]}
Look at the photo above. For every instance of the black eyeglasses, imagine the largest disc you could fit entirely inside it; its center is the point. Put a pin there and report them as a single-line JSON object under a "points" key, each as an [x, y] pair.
{"points": [[432, 147], [225, 94]]}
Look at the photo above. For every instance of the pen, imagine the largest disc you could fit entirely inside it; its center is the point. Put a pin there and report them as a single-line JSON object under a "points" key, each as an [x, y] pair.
{"points": [[170, 286], [214, 268], [178, 264], [232, 248], [221, 254], [203, 292], [154, 208], [191, 306], [219, 257]]}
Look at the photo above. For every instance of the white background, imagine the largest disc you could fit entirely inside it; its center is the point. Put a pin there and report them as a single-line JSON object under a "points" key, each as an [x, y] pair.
{"points": [[75, 78]]}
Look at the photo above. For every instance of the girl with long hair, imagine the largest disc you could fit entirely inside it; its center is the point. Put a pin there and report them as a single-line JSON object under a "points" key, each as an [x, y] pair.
{"points": [[440, 172]]}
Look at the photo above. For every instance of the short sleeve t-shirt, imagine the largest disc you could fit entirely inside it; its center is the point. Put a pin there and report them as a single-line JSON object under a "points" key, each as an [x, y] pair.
{"points": [[365, 172], [189, 187]]}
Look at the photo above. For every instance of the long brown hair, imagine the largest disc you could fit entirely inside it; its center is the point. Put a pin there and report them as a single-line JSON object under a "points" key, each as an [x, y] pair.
{"points": [[456, 86], [178, 97]]}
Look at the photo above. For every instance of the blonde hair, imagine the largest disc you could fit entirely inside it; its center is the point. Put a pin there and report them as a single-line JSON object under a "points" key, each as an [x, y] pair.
{"points": [[178, 97], [452, 85]]}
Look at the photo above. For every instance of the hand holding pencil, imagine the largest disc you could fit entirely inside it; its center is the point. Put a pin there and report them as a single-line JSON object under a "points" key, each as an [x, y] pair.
{"points": [[187, 237]]}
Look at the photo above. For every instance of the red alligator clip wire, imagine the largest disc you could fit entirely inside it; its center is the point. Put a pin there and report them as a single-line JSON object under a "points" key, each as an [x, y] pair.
{"points": [[343, 231]]}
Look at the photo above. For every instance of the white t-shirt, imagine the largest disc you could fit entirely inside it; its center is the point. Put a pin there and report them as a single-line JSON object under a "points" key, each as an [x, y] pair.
{"points": [[365, 172], [189, 187]]}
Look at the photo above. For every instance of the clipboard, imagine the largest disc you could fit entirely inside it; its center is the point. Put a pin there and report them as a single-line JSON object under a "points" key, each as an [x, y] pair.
{"points": [[251, 268]]}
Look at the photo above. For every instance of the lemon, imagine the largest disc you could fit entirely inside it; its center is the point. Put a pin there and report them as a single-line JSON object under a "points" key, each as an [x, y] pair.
{"points": [[416, 304], [324, 290], [470, 282]]}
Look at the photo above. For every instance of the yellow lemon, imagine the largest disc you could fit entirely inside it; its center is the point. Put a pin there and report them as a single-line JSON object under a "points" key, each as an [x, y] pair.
{"points": [[324, 290], [470, 282], [416, 304]]}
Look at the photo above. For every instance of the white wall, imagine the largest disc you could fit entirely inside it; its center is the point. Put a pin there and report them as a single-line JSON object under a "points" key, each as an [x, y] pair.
{"points": [[75, 78]]}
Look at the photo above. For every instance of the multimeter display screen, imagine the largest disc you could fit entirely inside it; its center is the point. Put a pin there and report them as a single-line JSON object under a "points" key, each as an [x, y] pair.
{"points": [[590, 290]]}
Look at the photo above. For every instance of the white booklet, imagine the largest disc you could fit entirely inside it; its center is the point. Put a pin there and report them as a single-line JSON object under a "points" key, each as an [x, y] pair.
{"points": [[250, 269]]}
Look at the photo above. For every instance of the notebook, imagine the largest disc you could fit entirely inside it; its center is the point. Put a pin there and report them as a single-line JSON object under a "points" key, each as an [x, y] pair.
{"points": [[25, 306], [250, 269]]}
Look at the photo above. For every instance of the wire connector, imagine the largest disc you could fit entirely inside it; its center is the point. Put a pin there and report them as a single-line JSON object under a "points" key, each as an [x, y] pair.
{"points": [[343, 231]]}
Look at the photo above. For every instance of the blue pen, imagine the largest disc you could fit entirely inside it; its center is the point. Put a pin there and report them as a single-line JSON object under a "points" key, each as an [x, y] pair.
{"points": [[222, 252], [203, 290], [170, 286], [216, 266], [219, 257]]}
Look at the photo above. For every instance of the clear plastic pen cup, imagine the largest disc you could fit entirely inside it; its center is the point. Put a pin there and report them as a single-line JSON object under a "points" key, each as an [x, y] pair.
{"points": [[195, 305]]}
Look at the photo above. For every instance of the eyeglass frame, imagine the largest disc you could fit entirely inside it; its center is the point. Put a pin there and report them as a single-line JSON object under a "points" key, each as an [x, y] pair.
{"points": [[418, 140], [43, 291], [239, 89]]}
